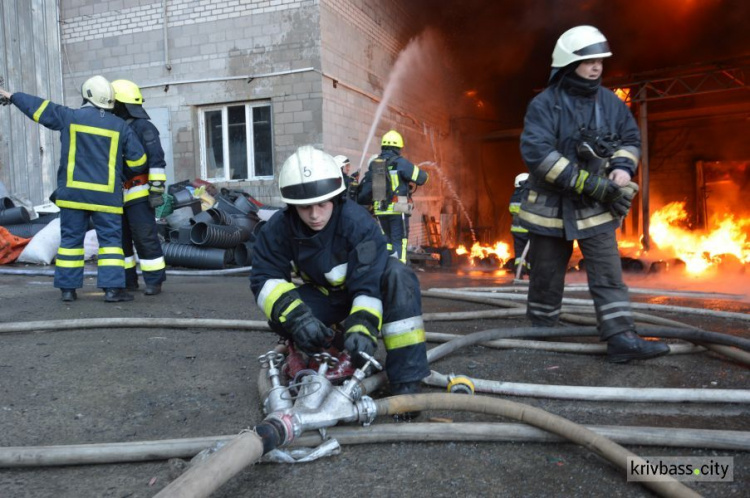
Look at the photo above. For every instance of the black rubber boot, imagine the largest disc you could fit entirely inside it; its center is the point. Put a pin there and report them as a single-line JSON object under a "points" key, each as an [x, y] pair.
{"points": [[132, 286], [406, 388], [622, 348], [117, 295], [152, 290], [69, 295]]}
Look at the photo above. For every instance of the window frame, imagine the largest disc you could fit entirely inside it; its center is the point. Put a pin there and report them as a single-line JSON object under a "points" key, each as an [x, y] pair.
{"points": [[249, 137]]}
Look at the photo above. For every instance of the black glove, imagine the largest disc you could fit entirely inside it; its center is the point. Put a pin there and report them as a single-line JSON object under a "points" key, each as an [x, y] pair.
{"points": [[597, 187], [621, 206], [361, 333], [156, 194], [4, 101], [295, 317], [308, 333]]}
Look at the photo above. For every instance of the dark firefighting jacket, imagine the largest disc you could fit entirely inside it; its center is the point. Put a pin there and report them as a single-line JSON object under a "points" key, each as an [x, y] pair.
{"points": [[515, 207], [136, 189], [94, 142], [401, 172], [347, 255], [552, 130]]}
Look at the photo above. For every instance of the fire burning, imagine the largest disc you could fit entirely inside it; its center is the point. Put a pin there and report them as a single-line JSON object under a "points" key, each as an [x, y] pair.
{"points": [[479, 253], [700, 250]]}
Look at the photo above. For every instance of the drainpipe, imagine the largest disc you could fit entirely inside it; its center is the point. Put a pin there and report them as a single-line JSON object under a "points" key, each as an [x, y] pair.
{"points": [[165, 29]]}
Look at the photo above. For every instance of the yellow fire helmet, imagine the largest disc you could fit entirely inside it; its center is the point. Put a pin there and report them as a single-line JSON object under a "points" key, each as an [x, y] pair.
{"points": [[393, 139]]}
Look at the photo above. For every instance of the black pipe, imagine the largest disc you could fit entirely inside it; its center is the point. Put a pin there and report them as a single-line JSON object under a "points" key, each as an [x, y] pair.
{"points": [[225, 237], [6, 203], [243, 253], [272, 432], [189, 256], [14, 216], [25, 230]]}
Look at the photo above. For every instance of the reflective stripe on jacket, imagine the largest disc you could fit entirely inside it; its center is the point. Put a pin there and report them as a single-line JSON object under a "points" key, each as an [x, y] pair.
{"points": [[401, 172], [548, 147], [148, 135]]}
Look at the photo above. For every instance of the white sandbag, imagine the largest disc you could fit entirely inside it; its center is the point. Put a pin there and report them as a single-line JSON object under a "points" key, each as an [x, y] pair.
{"points": [[90, 245], [42, 248]]}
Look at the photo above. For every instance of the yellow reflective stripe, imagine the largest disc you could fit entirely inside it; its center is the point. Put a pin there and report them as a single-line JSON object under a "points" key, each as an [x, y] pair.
{"points": [[595, 221], [337, 274], [157, 175], [41, 109], [129, 263], [270, 293], [63, 263], [415, 174], [540, 220], [135, 193], [76, 251], [111, 262], [518, 229], [514, 208], [361, 329], [296, 303], [155, 264], [556, 169], [139, 162], [89, 207], [403, 340], [626, 154], [111, 250], [114, 138]]}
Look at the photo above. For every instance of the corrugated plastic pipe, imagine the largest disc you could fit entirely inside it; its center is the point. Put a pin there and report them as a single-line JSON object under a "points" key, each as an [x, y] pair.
{"points": [[221, 236], [206, 258]]}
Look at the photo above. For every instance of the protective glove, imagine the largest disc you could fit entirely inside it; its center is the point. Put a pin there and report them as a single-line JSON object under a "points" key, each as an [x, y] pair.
{"points": [[361, 335], [4, 101], [621, 206], [295, 317], [156, 194], [597, 187]]}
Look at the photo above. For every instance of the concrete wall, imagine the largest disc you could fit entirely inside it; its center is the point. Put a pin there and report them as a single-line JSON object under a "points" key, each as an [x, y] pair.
{"points": [[234, 43], [29, 63]]}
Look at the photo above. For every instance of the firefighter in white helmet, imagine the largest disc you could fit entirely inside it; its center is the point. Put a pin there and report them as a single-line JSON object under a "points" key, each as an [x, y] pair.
{"points": [[519, 233], [582, 147], [387, 187], [338, 250], [99, 151], [351, 179]]}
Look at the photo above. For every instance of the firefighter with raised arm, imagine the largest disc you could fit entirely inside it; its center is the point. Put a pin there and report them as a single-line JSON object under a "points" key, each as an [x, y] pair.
{"points": [[142, 194], [582, 147], [336, 248], [99, 152], [388, 185]]}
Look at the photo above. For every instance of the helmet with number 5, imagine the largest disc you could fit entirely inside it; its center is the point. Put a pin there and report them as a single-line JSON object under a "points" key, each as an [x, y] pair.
{"points": [[310, 176]]}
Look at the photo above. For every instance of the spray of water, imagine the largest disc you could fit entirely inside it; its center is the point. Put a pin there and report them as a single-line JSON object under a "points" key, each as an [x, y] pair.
{"points": [[452, 191]]}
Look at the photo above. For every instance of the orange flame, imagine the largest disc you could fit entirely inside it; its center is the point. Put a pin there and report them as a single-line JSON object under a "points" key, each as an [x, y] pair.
{"points": [[501, 250], [700, 250]]}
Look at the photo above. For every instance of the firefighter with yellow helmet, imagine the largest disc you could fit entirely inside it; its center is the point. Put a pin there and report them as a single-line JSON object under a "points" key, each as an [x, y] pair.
{"points": [[99, 152], [142, 194], [338, 251], [387, 186]]}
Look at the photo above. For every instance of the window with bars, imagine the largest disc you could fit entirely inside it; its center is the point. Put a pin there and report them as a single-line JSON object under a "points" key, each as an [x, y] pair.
{"points": [[236, 142]]}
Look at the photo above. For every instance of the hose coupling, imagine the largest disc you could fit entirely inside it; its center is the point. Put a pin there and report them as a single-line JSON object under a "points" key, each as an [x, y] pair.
{"points": [[458, 384], [367, 410]]}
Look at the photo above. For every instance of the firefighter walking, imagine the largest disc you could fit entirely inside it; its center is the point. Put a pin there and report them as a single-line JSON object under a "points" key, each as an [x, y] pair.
{"points": [[142, 194], [89, 182]]}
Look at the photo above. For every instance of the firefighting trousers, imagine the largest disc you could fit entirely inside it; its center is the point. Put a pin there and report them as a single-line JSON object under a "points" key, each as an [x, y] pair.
{"points": [[70, 255], [603, 269], [403, 329], [139, 228], [396, 230]]}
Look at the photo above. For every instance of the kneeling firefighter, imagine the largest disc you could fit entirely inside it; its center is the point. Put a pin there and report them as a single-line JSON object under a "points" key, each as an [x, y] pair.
{"points": [[339, 252]]}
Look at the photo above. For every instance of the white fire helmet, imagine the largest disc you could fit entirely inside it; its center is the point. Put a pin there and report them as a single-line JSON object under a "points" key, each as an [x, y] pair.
{"points": [[310, 176], [520, 179], [99, 92], [578, 44], [341, 160]]}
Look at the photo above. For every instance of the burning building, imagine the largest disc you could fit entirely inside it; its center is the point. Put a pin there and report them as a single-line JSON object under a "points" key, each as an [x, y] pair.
{"points": [[235, 86]]}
